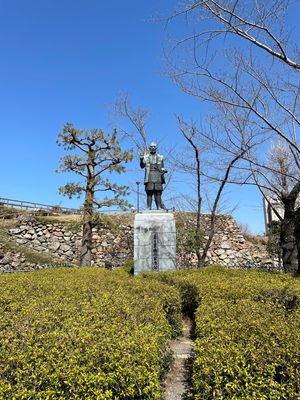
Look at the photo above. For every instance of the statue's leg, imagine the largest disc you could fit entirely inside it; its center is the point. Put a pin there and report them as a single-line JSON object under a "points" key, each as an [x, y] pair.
{"points": [[158, 201], [149, 198]]}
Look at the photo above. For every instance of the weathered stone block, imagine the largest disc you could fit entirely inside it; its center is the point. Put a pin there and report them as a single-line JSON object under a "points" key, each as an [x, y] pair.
{"points": [[54, 246], [21, 241], [65, 247]]}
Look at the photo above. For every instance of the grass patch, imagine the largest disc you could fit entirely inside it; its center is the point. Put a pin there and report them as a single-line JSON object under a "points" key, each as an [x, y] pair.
{"points": [[73, 223], [58, 219], [11, 211]]}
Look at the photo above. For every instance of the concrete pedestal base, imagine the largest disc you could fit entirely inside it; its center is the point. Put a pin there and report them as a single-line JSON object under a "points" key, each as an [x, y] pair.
{"points": [[154, 242]]}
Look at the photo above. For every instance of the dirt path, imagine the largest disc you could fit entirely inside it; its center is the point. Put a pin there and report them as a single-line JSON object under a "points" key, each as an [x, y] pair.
{"points": [[175, 385]]}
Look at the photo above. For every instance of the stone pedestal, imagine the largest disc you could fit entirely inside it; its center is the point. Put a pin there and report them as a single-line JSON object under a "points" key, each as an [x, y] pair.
{"points": [[154, 241]]}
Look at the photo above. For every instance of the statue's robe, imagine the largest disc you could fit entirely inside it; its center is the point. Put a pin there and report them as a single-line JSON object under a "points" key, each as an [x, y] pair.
{"points": [[154, 176]]}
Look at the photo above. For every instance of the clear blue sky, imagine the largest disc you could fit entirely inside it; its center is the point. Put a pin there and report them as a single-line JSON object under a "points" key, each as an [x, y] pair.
{"points": [[66, 61]]}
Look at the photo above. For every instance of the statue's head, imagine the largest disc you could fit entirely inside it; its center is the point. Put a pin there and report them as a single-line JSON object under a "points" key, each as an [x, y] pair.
{"points": [[153, 147]]}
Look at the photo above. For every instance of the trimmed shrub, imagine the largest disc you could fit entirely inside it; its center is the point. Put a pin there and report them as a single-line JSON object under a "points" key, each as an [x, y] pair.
{"points": [[248, 333], [189, 292], [84, 333], [245, 351], [128, 267]]}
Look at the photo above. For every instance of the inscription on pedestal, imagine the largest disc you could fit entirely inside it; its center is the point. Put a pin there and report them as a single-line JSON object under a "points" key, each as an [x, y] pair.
{"points": [[155, 258], [154, 242]]}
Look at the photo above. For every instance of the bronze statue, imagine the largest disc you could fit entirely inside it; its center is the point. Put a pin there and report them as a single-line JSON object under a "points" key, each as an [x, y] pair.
{"points": [[154, 175]]}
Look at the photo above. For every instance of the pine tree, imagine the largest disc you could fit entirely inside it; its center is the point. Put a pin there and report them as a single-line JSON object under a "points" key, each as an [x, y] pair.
{"points": [[97, 153]]}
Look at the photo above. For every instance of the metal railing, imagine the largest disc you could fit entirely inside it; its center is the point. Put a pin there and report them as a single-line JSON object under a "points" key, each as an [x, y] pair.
{"points": [[29, 205]]}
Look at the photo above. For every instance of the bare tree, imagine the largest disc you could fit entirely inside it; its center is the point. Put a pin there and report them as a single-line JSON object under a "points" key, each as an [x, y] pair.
{"points": [[260, 23], [199, 165], [192, 166], [137, 118], [276, 174], [100, 153], [190, 133], [258, 84]]}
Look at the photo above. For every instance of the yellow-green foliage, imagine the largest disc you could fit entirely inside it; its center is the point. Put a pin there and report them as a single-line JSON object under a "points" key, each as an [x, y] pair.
{"points": [[84, 333], [248, 334], [246, 351], [181, 280]]}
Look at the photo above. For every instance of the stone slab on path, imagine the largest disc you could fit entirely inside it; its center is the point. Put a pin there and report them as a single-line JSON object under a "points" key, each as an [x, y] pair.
{"points": [[176, 382]]}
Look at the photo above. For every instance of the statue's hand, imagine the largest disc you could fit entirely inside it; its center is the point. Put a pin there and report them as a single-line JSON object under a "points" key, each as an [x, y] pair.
{"points": [[142, 155]]}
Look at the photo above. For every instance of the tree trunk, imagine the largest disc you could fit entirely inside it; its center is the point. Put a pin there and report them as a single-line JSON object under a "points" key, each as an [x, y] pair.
{"points": [[297, 235], [86, 244], [199, 203], [210, 236], [215, 205], [87, 229], [288, 237]]}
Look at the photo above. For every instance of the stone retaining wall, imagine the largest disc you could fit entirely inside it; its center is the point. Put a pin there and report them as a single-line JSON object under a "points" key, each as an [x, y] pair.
{"points": [[113, 243], [229, 246], [112, 247]]}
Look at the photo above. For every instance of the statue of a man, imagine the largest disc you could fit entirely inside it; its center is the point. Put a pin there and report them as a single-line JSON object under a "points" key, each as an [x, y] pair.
{"points": [[154, 175]]}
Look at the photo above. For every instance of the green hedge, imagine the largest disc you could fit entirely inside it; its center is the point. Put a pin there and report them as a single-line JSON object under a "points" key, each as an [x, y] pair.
{"points": [[87, 333], [246, 351], [182, 281], [84, 333], [248, 333]]}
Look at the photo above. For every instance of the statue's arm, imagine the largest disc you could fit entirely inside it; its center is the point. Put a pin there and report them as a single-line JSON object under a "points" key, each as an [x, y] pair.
{"points": [[163, 166], [142, 162]]}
